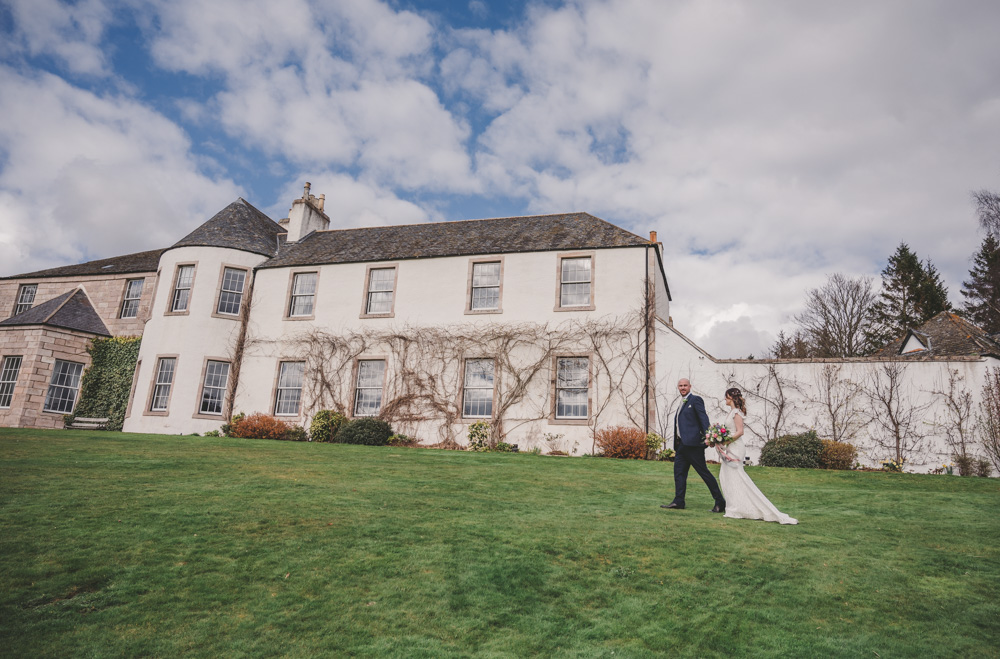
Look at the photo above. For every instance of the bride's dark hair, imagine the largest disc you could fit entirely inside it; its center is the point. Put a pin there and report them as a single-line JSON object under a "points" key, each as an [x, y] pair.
{"points": [[737, 397]]}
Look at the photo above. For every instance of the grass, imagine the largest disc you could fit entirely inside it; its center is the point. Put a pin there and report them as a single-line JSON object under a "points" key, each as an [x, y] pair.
{"points": [[126, 545]]}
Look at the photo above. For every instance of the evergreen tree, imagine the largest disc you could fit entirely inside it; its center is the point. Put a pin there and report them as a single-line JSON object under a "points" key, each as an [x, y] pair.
{"points": [[982, 291], [912, 293]]}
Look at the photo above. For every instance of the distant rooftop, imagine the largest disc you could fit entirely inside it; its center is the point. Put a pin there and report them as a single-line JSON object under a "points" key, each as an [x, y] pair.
{"points": [[945, 335], [127, 264], [71, 310]]}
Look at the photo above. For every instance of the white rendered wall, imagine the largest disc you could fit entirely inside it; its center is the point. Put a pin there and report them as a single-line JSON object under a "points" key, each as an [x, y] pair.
{"points": [[434, 292], [679, 358], [191, 337]]}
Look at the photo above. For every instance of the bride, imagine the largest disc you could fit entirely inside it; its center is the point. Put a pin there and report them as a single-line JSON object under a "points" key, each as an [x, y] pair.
{"points": [[743, 499]]}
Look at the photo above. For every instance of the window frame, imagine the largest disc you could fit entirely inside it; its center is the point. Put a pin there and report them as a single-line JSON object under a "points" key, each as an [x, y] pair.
{"points": [[5, 370], [290, 295], [173, 289], [355, 376], [465, 388], [198, 413], [220, 291], [75, 390], [276, 395], [21, 289], [559, 282], [470, 289], [554, 419], [126, 299], [364, 299], [149, 411]]}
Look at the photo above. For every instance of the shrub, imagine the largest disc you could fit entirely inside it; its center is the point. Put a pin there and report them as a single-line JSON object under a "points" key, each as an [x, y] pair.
{"points": [[666, 454], [325, 425], [837, 455], [479, 436], [400, 440], [983, 467], [366, 432], [894, 466], [622, 442], [296, 434], [258, 426], [966, 464], [227, 428], [503, 447], [801, 451], [213, 433]]}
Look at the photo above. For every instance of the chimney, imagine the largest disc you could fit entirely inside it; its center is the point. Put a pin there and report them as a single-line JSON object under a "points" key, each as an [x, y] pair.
{"points": [[306, 215], [652, 237]]}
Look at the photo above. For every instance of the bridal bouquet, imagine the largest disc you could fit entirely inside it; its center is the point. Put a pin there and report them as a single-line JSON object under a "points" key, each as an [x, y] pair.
{"points": [[718, 435]]}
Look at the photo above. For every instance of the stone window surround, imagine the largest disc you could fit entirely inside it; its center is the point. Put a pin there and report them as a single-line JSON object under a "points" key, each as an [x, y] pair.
{"points": [[274, 390], [593, 279], [218, 291], [198, 414], [121, 302], [17, 296], [461, 394], [395, 289], [354, 383], [16, 373], [173, 288], [152, 386], [468, 291], [76, 399], [288, 293], [590, 390]]}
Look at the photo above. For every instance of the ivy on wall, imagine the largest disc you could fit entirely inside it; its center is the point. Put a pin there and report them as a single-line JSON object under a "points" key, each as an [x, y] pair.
{"points": [[107, 382]]}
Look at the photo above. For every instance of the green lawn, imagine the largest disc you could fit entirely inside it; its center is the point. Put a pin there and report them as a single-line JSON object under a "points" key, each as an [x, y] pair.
{"points": [[147, 545]]}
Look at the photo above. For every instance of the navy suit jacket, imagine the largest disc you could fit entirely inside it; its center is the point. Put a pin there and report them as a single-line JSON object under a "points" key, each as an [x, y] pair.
{"points": [[692, 422]]}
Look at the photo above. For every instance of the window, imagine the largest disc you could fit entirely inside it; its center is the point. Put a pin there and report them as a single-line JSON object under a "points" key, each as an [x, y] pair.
{"points": [[572, 381], [303, 294], [8, 378], [25, 298], [213, 391], [485, 286], [63, 387], [368, 395], [182, 288], [164, 379], [289, 395], [133, 293], [231, 295], [477, 390], [574, 282], [380, 285]]}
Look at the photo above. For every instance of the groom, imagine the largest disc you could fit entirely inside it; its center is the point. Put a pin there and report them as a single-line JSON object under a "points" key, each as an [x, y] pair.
{"points": [[690, 424]]}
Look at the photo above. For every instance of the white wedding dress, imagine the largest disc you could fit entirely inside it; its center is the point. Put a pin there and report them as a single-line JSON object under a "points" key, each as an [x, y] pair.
{"points": [[743, 499]]}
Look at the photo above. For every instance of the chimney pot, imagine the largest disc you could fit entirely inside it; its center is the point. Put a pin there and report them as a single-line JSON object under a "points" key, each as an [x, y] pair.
{"points": [[322, 201], [305, 193], [652, 237]]}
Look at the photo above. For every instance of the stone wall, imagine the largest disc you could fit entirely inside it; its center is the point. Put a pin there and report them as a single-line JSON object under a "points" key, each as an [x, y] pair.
{"points": [[106, 293], [39, 348]]}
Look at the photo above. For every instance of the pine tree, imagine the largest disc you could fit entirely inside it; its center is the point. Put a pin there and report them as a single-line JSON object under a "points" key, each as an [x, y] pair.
{"points": [[912, 293], [982, 291]]}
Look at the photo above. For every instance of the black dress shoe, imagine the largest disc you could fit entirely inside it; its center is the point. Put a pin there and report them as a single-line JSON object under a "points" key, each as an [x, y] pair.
{"points": [[674, 506], [718, 509]]}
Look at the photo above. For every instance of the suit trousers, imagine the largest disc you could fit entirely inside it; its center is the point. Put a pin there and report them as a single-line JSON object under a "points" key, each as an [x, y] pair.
{"points": [[693, 456]]}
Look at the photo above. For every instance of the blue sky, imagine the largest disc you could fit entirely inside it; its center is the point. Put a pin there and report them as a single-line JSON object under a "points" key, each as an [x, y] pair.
{"points": [[768, 143]]}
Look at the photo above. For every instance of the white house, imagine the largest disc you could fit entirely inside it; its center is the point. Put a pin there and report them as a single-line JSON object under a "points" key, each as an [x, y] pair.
{"points": [[550, 327]]}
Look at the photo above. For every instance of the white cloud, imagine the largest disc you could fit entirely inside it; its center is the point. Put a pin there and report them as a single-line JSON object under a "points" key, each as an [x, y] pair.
{"points": [[90, 176], [69, 32]]}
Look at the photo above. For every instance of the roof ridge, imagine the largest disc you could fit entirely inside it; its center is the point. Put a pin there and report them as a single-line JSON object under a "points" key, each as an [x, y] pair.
{"points": [[477, 219]]}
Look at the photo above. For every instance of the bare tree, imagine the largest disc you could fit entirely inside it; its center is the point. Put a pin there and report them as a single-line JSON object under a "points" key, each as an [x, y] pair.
{"points": [[838, 398], [989, 416], [837, 315], [959, 424], [773, 391], [988, 210], [894, 417]]}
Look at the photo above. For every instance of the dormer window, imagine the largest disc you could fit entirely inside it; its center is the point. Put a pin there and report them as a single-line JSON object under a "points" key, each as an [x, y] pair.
{"points": [[912, 345], [25, 298]]}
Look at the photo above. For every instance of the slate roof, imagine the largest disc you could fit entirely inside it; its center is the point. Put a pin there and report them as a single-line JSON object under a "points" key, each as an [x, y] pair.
{"points": [[71, 310], [138, 262], [505, 235], [237, 226], [946, 335]]}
